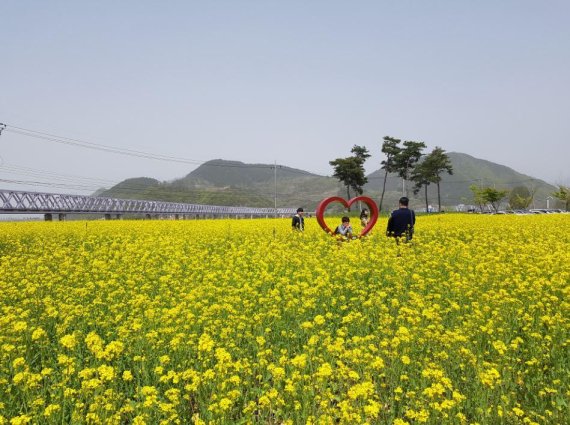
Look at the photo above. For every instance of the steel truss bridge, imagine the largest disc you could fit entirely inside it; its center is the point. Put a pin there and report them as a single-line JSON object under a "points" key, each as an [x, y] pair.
{"points": [[49, 204]]}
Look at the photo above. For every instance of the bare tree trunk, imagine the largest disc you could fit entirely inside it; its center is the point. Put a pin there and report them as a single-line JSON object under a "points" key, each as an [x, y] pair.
{"points": [[383, 191], [404, 175], [427, 204], [348, 194], [438, 199]]}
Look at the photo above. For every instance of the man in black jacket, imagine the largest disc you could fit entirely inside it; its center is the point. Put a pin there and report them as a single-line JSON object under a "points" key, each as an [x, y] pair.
{"points": [[402, 221], [298, 220]]}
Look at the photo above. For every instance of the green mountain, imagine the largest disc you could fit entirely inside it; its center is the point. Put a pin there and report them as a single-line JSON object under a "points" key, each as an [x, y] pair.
{"points": [[220, 182], [219, 172]]}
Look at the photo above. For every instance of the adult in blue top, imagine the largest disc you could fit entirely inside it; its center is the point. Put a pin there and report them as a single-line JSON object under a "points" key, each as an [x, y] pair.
{"points": [[402, 221]]}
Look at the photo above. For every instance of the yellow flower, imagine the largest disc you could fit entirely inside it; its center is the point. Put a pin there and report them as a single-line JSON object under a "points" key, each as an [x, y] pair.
{"points": [[372, 409], [38, 333], [518, 412], [18, 327], [490, 377], [319, 319], [113, 349], [18, 362], [68, 341], [20, 420], [362, 390], [324, 370], [225, 404], [106, 373], [205, 343], [51, 409]]}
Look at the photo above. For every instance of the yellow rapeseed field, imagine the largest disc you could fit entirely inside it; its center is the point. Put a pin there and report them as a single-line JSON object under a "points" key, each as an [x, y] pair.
{"points": [[245, 321]]}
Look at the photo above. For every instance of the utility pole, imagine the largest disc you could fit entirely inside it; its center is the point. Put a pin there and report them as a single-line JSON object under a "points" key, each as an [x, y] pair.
{"points": [[2, 127], [275, 186], [548, 198]]}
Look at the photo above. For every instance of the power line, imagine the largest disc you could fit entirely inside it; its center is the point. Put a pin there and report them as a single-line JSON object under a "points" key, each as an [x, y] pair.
{"points": [[134, 153], [33, 172], [39, 183], [96, 146]]}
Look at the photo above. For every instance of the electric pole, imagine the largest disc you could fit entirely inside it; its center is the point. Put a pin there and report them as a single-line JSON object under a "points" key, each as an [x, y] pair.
{"points": [[275, 186], [2, 127]]}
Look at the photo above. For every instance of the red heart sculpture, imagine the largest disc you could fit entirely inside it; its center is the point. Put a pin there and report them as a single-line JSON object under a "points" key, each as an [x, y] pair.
{"points": [[320, 212]]}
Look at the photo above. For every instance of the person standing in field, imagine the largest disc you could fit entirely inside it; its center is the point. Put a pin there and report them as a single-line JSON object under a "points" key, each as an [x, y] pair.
{"points": [[364, 217], [401, 222], [298, 220]]}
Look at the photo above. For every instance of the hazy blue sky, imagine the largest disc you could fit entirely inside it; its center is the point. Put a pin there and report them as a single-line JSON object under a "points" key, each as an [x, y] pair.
{"points": [[297, 82]]}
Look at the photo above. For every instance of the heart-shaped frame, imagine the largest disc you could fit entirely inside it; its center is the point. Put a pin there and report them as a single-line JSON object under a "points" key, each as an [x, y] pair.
{"points": [[320, 211]]}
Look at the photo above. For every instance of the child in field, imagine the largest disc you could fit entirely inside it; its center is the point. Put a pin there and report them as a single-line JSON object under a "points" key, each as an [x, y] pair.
{"points": [[364, 217], [344, 229]]}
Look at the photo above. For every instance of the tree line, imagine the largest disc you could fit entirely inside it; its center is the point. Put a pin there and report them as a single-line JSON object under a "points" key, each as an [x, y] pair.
{"points": [[408, 160], [520, 197]]}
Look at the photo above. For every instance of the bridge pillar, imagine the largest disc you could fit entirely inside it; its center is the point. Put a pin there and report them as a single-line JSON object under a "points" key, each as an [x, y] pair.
{"points": [[107, 216], [61, 217], [48, 217]]}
